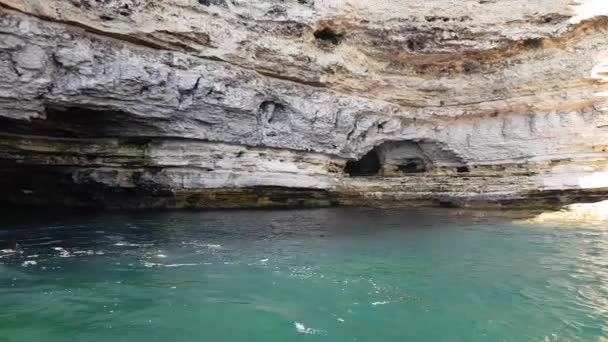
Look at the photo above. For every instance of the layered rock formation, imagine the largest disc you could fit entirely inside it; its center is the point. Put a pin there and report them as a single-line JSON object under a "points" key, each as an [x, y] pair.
{"points": [[240, 103]]}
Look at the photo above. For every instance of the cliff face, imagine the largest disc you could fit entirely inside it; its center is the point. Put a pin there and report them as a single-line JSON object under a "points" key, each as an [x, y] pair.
{"points": [[226, 103]]}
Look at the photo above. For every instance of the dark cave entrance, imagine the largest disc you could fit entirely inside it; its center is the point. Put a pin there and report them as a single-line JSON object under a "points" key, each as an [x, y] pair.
{"points": [[368, 165], [83, 122], [412, 165], [78, 156], [406, 157], [328, 36]]}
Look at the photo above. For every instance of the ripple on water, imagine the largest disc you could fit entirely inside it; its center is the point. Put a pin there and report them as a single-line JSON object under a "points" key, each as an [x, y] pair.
{"points": [[343, 274]]}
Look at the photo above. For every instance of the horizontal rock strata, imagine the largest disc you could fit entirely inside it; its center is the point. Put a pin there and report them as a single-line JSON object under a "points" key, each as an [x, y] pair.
{"points": [[213, 103]]}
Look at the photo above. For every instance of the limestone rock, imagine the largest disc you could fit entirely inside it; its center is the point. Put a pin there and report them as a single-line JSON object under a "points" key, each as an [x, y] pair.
{"points": [[191, 103], [582, 212]]}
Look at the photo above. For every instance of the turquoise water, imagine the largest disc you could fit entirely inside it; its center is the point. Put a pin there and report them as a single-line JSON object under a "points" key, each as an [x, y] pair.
{"points": [[304, 275]]}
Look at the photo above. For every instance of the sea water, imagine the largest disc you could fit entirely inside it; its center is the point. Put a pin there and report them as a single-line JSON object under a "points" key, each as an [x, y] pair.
{"points": [[300, 275]]}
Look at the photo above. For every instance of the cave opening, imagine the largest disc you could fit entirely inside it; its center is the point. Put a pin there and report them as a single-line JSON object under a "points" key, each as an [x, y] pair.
{"points": [[412, 165], [406, 157], [82, 122], [79, 156], [328, 36], [368, 165]]}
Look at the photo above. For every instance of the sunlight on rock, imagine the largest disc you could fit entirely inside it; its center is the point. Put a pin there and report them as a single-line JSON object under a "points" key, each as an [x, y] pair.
{"points": [[586, 9], [595, 180], [600, 71], [582, 212]]}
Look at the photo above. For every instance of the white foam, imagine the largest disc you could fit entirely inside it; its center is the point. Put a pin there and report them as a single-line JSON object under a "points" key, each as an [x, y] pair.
{"points": [[302, 329], [7, 251], [380, 303], [179, 265], [62, 252], [126, 244], [199, 244], [89, 252], [29, 263], [161, 256], [152, 264]]}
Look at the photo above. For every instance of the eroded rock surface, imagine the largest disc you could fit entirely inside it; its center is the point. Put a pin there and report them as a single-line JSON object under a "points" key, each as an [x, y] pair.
{"points": [[217, 103]]}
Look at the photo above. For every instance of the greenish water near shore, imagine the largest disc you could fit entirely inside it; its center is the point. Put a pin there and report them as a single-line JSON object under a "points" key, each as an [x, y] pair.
{"points": [[301, 275]]}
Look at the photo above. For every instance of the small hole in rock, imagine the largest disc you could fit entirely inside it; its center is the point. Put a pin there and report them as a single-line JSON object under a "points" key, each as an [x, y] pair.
{"points": [[415, 43], [533, 43], [273, 110], [212, 2], [329, 36]]}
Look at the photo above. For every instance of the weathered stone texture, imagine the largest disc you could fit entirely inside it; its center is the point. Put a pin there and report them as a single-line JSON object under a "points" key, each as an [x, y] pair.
{"points": [[456, 102]]}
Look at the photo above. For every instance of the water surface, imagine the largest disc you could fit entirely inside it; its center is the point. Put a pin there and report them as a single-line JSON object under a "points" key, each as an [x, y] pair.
{"points": [[303, 275]]}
